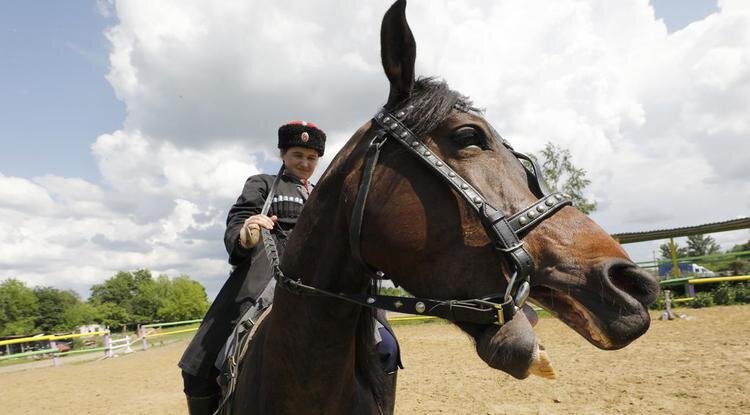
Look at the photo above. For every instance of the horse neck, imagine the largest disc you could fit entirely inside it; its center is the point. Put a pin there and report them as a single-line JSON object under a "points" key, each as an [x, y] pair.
{"points": [[318, 251], [320, 343], [318, 334]]}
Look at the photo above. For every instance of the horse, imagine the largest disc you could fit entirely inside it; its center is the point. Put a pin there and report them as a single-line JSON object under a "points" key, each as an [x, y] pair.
{"points": [[430, 213]]}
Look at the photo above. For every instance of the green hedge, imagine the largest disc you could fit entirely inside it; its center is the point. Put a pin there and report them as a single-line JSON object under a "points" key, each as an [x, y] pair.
{"points": [[702, 300], [724, 294]]}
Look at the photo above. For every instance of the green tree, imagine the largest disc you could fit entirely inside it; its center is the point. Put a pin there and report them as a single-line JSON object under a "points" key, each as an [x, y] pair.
{"points": [[112, 315], [739, 267], [134, 293], [182, 299], [52, 306], [699, 245], [130, 298], [146, 301], [120, 289], [78, 315], [666, 253], [18, 308], [741, 247], [560, 175]]}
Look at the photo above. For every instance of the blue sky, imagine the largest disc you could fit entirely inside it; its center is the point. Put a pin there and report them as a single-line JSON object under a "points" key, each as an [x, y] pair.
{"points": [[88, 188], [56, 99], [680, 13]]}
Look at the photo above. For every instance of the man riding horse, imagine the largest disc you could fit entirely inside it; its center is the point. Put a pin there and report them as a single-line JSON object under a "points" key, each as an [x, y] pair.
{"points": [[428, 194], [249, 289]]}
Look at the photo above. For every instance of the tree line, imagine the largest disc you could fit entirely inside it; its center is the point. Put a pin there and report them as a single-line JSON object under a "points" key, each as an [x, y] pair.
{"points": [[702, 245], [125, 299]]}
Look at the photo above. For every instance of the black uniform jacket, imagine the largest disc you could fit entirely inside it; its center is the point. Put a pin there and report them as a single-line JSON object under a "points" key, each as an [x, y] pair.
{"points": [[251, 271]]}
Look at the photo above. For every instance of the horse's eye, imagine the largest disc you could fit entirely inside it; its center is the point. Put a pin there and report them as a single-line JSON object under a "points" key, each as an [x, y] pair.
{"points": [[469, 136]]}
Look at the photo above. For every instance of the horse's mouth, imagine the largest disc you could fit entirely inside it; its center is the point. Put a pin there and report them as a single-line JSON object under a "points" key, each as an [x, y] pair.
{"points": [[607, 325]]}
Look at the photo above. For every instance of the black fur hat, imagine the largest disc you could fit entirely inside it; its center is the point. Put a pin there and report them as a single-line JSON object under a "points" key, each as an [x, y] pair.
{"points": [[302, 134]]}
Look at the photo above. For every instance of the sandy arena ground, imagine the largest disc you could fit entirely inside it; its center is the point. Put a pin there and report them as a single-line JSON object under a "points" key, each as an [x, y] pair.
{"points": [[696, 366]]}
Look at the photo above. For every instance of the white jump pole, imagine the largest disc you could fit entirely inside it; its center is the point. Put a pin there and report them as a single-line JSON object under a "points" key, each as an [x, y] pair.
{"points": [[55, 358]]}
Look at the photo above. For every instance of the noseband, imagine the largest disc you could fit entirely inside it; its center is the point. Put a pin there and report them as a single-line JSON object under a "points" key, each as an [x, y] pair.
{"points": [[504, 232]]}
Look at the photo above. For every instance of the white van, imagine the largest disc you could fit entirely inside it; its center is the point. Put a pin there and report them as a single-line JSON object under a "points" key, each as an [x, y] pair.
{"points": [[702, 271]]}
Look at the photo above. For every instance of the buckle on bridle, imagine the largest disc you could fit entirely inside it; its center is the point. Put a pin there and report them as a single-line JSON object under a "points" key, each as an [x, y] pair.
{"points": [[497, 306], [511, 249], [498, 309], [379, 139], [500, 314]]}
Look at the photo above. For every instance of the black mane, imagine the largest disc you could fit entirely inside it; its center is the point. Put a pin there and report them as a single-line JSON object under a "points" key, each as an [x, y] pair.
{"points": [[432, 101]]}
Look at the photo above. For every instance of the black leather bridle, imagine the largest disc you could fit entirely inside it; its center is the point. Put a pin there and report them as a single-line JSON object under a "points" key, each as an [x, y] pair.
{"points": [[505, 232]]}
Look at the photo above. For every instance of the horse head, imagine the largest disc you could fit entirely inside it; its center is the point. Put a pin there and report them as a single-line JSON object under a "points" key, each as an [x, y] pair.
{"points": [[428, 239]]}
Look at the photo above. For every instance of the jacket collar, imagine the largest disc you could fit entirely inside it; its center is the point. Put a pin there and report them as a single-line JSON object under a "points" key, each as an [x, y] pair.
{"points": [[292, 177]]}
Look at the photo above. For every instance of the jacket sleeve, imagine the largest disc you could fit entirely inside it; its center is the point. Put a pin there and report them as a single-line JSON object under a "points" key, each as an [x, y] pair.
{"points": [[248, 204]]}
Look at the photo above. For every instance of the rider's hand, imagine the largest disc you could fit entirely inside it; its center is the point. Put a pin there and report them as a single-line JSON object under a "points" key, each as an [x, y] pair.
{"points": [[250, 232], [256, 221]]}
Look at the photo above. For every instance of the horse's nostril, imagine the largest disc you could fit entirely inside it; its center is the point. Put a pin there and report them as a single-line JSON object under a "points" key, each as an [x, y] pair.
{"points": [[634, 281]]}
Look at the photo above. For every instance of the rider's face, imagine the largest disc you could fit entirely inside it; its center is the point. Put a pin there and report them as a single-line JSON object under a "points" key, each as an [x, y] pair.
{"points": [[300, 161]]}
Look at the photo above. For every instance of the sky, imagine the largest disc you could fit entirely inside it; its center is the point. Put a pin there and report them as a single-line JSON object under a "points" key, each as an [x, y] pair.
{"points": [[128, 128]]}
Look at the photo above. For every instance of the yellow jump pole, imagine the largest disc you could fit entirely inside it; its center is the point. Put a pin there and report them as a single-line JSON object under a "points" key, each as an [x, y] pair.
{"points": [[719, 279]]}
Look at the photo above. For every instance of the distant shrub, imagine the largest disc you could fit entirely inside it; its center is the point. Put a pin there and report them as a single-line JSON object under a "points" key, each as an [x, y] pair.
{"points": [[742, 293], [724, 294], [659, 303], [702, 299]]}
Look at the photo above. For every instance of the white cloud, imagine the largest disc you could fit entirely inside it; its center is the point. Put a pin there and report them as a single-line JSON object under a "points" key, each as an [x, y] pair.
{"points": [[207, 74], [24, 195], [658, 120], [93, 244]]}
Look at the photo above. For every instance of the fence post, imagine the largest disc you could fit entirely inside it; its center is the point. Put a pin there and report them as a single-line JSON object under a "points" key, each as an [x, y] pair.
{"points": [[667, 314], [55, 358], [691, 290], [142, 334], [127, 344], [108, 345]]}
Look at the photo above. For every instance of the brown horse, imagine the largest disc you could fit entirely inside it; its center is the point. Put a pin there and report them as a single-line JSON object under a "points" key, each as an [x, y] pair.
{"points": [[314, 354]]}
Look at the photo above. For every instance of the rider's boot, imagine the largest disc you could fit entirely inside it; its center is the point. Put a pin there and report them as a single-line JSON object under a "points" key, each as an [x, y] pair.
{"points": [[203, 405]]}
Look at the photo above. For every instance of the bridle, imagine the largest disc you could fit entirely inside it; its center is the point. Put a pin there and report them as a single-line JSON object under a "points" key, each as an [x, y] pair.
{"points": [[505, 233]]}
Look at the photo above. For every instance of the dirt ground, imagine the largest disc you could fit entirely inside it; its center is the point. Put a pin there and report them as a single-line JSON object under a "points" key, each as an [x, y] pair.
{"points": [[695, 366]]}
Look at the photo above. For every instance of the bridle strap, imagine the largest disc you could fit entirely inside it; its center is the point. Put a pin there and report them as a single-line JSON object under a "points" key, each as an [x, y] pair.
{"points": [[355, 226], [272, 191], [523, 221], [474, 311], [502, 235]]}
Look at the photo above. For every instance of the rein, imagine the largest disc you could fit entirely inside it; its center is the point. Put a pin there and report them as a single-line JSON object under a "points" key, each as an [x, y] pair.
{"points": [[504, 232]]}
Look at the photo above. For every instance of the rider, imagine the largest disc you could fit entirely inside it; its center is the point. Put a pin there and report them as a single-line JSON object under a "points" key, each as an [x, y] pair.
{"points": [[301, 145]]}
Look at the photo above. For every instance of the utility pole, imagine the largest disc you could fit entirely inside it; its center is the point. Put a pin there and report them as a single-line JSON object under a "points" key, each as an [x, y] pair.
{"points": [[675, 266]]}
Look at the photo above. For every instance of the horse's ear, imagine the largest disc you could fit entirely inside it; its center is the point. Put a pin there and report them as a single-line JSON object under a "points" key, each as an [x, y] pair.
{"points": [[398, 51]]}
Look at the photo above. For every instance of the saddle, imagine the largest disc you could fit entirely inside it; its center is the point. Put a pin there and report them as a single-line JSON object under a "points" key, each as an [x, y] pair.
{"points": [[238, 343], [230, 356]]}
